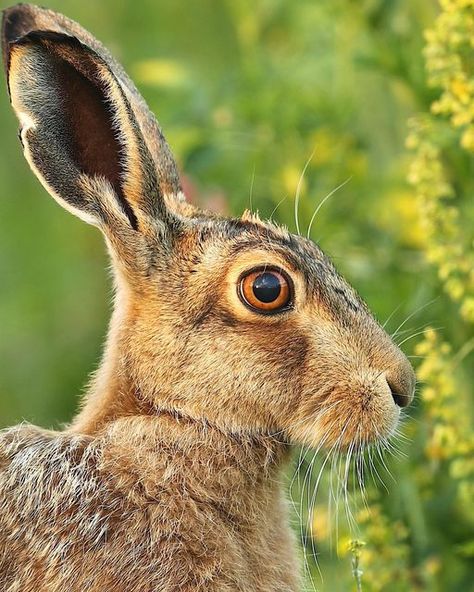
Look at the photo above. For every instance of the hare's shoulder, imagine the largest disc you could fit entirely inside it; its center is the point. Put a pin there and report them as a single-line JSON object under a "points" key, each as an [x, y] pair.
{"points": [[27, 447], [39, 468], [17, 445], [53, 491], [52, 484], [61, 515]]}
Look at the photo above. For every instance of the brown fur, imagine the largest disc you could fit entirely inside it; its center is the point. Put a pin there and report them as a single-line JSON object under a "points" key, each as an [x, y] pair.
{"points": [[169, 477]]}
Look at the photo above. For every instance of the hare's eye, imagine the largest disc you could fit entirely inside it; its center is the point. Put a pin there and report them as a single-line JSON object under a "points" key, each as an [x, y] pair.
{"points": [[266, 291]]}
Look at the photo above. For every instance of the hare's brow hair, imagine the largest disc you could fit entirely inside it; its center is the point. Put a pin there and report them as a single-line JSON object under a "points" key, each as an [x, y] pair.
{"points": [[273, 247], [236, 226]]}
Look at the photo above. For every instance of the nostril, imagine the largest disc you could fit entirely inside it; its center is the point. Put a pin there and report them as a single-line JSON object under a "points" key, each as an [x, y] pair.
{"points": [[401, 380], [401, 399]]}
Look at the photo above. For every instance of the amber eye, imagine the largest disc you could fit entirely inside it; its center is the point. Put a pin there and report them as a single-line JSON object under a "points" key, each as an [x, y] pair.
{"points": [[266, 291]]}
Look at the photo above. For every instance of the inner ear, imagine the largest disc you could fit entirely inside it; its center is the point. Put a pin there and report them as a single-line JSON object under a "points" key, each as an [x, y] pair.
{"points": [[91, 139]]}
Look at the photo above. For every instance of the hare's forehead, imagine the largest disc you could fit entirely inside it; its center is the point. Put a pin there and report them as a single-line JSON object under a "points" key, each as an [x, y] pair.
{"points": [[225, 242]]}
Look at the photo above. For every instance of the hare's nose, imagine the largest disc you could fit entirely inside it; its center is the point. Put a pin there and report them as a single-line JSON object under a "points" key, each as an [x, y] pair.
{"points": [[401, 381]]}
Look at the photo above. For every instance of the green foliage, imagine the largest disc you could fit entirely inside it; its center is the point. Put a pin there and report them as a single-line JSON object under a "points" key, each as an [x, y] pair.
{"points": [[248, 93]]}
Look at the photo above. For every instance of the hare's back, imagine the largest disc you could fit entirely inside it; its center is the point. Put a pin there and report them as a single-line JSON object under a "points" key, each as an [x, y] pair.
{"points": [[63, 524]]}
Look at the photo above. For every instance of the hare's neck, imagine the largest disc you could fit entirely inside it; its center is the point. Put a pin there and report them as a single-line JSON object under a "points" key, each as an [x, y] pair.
{"points": [[218, 494], [110, 394], [236, 476]]}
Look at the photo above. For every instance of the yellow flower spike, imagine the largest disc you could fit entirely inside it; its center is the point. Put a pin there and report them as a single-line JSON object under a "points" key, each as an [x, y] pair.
{"points": [[467, 139], [467, 309], [460, 88]]}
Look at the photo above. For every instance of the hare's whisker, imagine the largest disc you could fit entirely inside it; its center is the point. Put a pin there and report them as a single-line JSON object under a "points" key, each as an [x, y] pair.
{"points": [[415, 312], [298, 190], [323, 201]]}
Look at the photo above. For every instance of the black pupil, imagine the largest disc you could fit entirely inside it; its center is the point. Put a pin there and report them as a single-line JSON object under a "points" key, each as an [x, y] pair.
{"points": [[266, 287]]}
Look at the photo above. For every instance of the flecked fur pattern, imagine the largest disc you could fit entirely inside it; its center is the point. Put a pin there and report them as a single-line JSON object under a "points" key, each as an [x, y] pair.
{"points": [[169, 478]]}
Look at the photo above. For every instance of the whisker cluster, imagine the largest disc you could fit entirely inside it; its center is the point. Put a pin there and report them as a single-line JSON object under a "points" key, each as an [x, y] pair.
{"points": [[345, 473]]}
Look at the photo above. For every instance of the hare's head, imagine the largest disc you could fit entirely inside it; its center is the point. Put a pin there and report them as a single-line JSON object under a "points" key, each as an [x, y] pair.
{"points": [[235, 321]]}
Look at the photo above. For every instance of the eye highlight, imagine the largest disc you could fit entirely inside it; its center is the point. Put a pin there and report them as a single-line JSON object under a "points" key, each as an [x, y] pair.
{"points": [[266, 290]]}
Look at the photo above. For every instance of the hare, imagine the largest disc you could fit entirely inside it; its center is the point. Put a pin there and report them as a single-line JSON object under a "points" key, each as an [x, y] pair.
{"points": [[230, 340]]}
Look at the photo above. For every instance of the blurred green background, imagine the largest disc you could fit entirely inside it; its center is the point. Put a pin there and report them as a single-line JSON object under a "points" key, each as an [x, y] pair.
{"points": [[246, 92]]}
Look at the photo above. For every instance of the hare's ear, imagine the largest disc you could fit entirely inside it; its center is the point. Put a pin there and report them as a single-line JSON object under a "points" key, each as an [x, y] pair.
{"points": [[83, 124]]}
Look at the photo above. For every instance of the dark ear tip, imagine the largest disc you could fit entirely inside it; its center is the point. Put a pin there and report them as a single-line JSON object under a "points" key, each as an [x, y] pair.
{"points": [[16, 21]]}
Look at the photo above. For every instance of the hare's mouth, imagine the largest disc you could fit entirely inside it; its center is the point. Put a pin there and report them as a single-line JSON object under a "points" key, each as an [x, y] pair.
{"points": [[352, 415]]}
